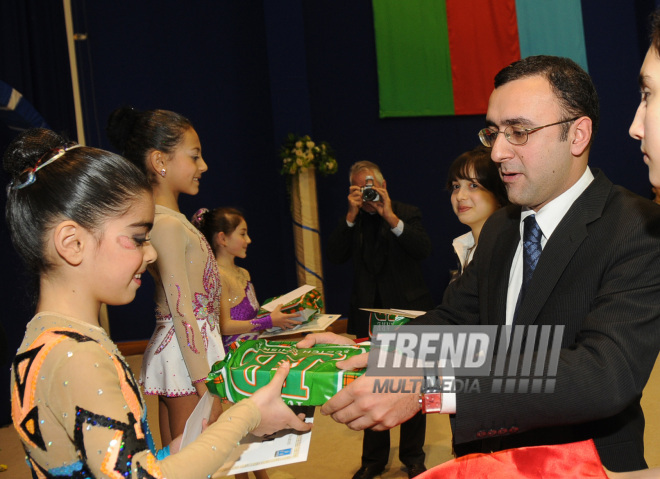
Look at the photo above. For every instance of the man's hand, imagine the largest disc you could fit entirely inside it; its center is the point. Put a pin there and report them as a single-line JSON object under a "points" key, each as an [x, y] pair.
{"points": [[384, 207], [323, 338], [354, 203], [357, 405], [360, 408]]}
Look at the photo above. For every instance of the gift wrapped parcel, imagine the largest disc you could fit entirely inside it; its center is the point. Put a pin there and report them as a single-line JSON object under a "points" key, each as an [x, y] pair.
{"points": [[313, 379], [307, 304]]}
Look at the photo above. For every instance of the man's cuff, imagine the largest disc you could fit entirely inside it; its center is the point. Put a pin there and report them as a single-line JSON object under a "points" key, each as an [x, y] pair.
{"points": [[448, 398], [398, 229], [448, 403], [349, 224]]}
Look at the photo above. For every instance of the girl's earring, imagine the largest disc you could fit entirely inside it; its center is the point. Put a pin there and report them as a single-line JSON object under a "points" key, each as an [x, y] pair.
{"points": [[163, 172]]}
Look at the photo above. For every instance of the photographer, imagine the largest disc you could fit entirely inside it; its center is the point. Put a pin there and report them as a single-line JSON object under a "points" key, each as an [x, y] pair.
{"points": [[386, 241]]}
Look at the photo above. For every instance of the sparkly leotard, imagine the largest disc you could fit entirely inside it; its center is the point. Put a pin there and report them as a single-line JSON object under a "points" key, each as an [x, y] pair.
{"points": [[187, 339], [239, 292], [79, 412]]}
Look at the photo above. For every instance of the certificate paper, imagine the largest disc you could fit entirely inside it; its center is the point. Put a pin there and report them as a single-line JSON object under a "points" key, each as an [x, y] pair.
{"points": [[319, 323], [193, 426], [255, 453]]}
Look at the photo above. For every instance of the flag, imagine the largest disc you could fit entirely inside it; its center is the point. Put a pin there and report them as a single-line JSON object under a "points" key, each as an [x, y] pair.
{"points": [[439, 57]]}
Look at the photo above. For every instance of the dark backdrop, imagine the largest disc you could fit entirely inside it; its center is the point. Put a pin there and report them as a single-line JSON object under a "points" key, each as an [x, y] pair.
{"points": [[246, 73]]}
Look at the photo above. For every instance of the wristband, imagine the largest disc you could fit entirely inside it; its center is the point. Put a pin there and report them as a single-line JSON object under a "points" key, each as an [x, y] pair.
{"points": [[430, 398]]}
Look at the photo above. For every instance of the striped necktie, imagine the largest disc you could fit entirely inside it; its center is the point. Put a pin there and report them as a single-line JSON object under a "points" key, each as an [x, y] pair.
{"points": [[531, 253]]}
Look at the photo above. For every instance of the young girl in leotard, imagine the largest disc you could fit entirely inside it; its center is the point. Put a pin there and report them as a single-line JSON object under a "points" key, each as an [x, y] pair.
{"points": [[226, 231], [80, 218], [187, 339]]}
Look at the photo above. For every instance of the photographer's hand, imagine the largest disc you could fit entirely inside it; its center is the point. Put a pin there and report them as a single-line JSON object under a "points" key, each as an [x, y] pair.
{"points": [[384, 207], [354, 203]]}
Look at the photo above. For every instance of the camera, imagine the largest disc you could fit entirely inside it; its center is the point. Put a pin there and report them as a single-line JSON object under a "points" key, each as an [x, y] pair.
{"points": [[368, 192]]}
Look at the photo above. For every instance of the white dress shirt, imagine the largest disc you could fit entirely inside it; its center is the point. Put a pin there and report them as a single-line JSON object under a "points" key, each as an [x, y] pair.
{"points": [[547, 218]]}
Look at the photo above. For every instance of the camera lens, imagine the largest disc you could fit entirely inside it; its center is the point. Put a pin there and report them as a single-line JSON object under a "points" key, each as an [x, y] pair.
{"points": [[369, 194]]}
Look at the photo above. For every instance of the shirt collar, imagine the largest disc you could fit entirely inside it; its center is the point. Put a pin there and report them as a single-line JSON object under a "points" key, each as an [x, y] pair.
{"points": [[551, 214]]}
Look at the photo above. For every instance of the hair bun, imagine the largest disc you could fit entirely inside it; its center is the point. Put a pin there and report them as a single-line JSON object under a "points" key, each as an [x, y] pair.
{"points": [[197, 219], [121, 123], [27, 148]]}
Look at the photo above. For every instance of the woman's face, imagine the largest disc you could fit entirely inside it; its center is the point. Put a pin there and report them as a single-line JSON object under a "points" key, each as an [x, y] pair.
{"points": [[646, 124], [186, 165], [471, 202], [237, 242]]}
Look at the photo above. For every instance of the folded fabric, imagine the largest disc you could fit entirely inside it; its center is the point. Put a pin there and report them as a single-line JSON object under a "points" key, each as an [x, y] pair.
{"points": [[313, 378], [575, 460]]}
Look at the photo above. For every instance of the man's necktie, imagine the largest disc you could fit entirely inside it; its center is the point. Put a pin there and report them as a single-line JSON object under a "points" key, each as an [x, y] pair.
{"points": [[531, 253]]}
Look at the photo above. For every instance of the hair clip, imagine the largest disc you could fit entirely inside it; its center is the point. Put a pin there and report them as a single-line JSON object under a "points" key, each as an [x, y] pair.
{"points": [[198, 216], [28, 176]]}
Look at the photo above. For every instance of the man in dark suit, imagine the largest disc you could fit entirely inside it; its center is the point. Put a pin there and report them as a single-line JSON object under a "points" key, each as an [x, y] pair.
{"points": [[386, 241], [598, 275]]}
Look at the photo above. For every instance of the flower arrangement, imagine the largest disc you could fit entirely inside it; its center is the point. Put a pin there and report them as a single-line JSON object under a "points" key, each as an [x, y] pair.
{"points": [[299, 153]]}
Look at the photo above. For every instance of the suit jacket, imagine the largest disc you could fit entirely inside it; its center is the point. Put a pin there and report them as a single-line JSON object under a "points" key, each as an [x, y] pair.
{"points": [[599, 276], [388, 268]]}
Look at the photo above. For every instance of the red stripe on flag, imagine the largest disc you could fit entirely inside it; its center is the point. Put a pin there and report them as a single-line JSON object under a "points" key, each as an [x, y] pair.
{"points": [[483, 38]]}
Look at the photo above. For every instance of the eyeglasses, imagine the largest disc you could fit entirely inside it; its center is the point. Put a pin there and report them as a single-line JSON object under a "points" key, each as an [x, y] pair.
{"points": [[514, 134], [28, 176]]}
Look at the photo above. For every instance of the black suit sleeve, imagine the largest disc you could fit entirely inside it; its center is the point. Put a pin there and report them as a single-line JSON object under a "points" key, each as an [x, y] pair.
{"points": [[340, 243], [414, 240], [609, 348]]}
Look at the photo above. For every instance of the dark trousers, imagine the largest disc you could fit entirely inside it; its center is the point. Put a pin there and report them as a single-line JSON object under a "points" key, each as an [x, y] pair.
{"points": [[376, 444]]}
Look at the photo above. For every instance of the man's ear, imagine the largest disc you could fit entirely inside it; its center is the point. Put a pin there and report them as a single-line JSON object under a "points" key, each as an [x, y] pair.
{"points": [[70, 239], [384, 184], [582, 131]]}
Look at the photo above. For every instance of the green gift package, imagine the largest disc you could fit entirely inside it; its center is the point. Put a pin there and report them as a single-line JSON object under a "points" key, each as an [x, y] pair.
{"points": [[389, 317], [313, 378], [307, 301]]}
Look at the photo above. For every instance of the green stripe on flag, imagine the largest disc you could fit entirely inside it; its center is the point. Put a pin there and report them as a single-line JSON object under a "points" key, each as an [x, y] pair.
{"points": [[552, 27], [412, 49]]}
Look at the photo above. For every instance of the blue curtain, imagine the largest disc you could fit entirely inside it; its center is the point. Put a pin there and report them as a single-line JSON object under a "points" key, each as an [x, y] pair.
{"points": [[34, 60]]}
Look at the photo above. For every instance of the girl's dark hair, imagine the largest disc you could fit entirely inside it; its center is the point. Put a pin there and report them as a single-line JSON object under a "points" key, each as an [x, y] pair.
{"points": [[655, 30], [86, 185], [210, 223], [135, 133], [476, 164]]}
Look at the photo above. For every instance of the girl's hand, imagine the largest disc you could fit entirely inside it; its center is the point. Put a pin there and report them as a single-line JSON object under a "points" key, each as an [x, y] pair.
{"points": [[275, 415], [284, 320]]}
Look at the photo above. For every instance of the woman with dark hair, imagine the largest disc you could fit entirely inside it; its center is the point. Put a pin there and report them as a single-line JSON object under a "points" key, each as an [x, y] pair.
{"points": [[80, 218], [187, 339], [477, 191], [226, 231]]}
